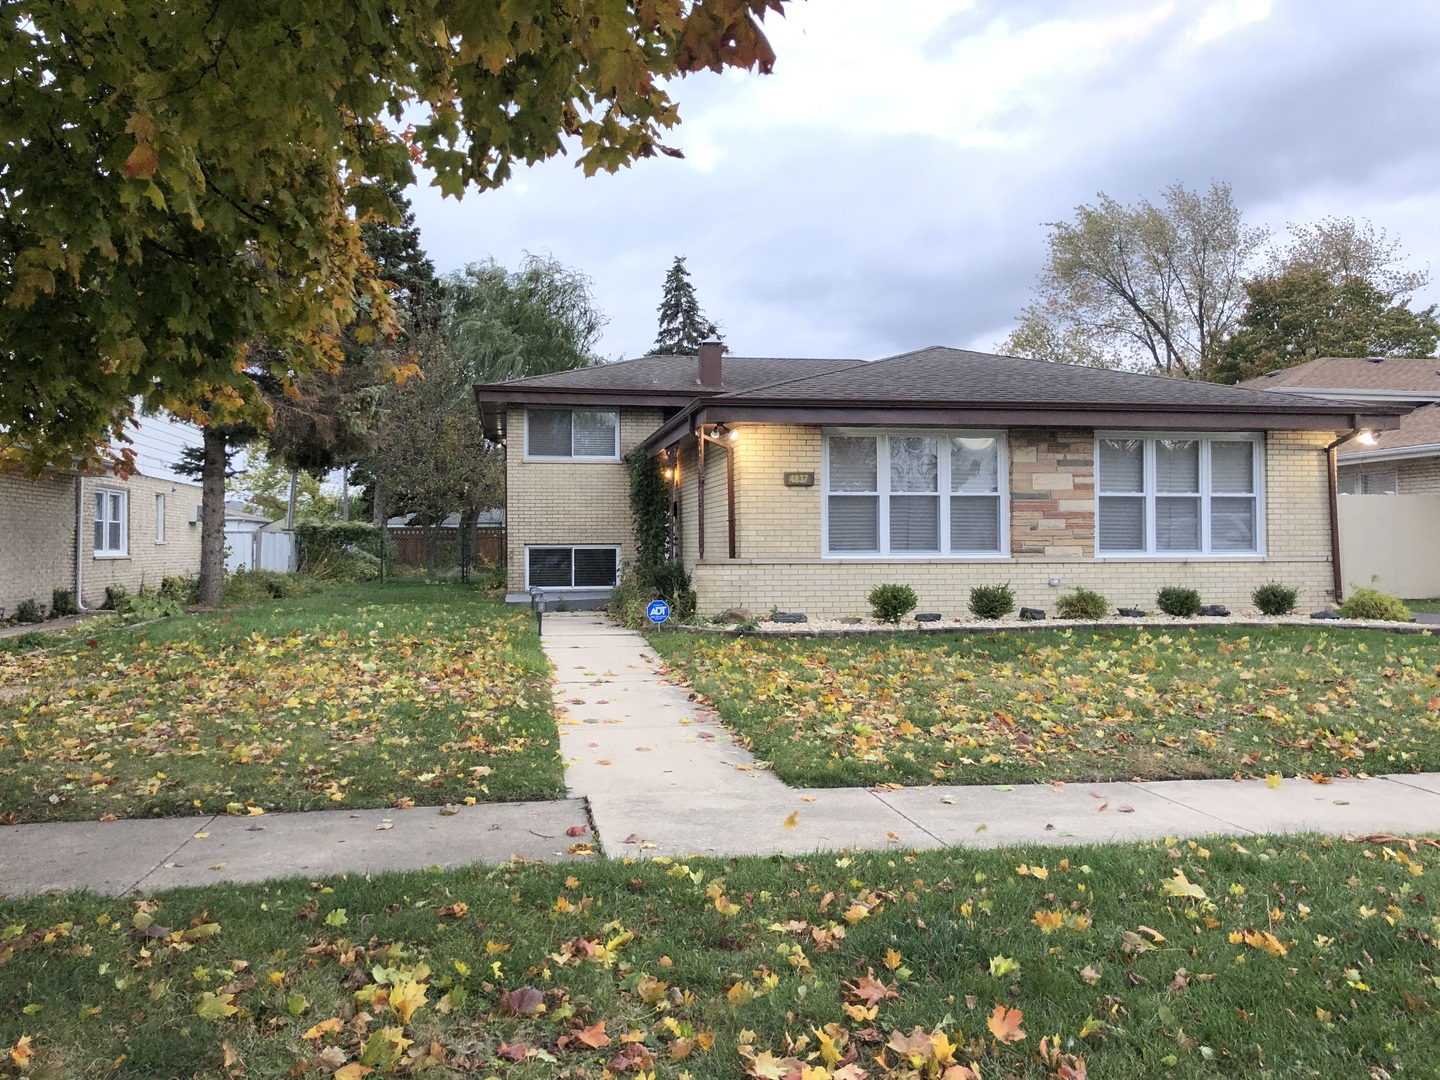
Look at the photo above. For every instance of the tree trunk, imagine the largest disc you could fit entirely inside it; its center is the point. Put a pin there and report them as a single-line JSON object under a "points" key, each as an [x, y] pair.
{"points": [[379, 503], [290, 503], [212, 518], [345, 493]]}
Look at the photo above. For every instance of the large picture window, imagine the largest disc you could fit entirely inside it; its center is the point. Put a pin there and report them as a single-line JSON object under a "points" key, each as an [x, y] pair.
{"points": [[1179, 495], [568, 434], [572, 567], [914, 493]]}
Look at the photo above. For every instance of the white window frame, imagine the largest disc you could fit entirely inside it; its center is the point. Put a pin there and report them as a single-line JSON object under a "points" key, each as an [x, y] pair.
{"points": [[573, 548], [160, 521], [1362, 475], [572, 410], [1205, 439], [104, 551], [882, 470]]}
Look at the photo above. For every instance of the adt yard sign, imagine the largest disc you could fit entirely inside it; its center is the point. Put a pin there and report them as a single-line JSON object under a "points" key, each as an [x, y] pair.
{"points": [[658, 611]]}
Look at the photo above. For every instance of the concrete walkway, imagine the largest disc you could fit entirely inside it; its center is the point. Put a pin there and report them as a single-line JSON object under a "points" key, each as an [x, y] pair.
{"points": [[660, 776]]}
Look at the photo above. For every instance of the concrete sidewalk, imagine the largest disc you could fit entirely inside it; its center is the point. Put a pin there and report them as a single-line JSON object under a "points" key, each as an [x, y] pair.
{"points": [[660, 776]]}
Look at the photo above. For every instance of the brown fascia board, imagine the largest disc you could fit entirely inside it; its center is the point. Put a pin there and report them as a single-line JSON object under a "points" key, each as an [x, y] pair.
{"points": [[514, 395], [1048, 416]]}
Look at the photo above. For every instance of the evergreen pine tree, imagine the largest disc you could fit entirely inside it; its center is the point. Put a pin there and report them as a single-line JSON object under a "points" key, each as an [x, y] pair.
{"points": [[683, 326]]}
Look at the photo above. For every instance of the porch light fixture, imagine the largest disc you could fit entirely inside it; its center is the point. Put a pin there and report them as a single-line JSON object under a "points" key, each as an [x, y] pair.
{"points": [[1367, 438], [734, 434]]}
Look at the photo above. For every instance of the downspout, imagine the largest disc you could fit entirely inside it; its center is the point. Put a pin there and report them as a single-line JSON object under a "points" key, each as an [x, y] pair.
{"points": [[1332, 477], [79, 543]]}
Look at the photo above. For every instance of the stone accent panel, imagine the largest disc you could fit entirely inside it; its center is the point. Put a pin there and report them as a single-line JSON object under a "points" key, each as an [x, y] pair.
{"points": [[1052, 494]]}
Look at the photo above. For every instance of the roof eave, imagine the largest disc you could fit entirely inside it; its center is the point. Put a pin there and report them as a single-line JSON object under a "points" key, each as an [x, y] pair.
{"points": [[1397, 453]]}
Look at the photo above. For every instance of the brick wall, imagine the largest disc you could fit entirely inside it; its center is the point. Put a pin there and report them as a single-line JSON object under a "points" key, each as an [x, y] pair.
{"points": [[147, 561], [568, 502], [1418, 477], [37, 539], [1052, 494]]}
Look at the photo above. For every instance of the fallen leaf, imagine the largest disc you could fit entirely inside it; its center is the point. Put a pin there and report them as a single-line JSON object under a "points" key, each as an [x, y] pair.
{"points": [[593, 1036], [1004, 1024], [793, 819]]}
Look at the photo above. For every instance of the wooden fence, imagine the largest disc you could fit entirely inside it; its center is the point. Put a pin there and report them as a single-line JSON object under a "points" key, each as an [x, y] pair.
{"points": [[412, 546]]}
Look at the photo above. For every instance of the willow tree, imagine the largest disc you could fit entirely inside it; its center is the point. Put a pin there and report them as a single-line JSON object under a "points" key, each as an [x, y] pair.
{"points": [[179, 180]]}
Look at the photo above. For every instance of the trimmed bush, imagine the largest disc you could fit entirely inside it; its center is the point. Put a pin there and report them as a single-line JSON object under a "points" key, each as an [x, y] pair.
{"points": [[255, 586], [62, 602], [1374, 604], [1182, 603], [891, 603], [631, 598], [183, 590], [29, 611], [1273, 598], [114, 594], [1082, 603], [992, 601]]}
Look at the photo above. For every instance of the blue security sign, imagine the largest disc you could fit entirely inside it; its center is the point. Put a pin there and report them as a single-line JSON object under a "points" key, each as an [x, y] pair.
{"points": [[658, 611]]}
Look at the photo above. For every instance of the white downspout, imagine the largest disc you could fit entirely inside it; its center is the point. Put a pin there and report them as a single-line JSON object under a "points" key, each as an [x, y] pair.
{"points": [[79, 543]]}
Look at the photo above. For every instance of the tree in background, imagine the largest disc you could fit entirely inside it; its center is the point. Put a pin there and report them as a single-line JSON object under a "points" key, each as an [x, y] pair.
{"points": [[1300, 314], [170, 175], [263, 487], [491, 324], [1145, 287], [1344, 249], [683, 326]]}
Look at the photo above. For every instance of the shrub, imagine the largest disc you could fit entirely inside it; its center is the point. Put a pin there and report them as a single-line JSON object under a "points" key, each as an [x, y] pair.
{"points": [[671, 582], [254, 586], [1374, 604], [992, 601], [1273, 598], [1082, 603], [148, 604], [113, 595], [28, 611], [62, 602], [891, 603], [338, 549], [638, 586], [183, 590], [1183, 603]]}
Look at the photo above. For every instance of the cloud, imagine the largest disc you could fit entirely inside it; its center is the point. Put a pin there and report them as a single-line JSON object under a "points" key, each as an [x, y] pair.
{"points": [[886, 187]]}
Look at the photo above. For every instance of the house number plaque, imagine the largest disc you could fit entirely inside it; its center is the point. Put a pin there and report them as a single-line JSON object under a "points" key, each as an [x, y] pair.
{"points": [[799, 479]]}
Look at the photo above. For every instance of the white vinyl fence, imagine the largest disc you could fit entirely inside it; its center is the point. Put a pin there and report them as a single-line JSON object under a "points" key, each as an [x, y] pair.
{"points": [[1394, 539], [259, 550]]}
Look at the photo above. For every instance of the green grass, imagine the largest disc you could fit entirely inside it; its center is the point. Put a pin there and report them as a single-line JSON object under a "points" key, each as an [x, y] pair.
{"points": [[1431, 607], [1073, 705], [359, 696], [1140, 978]]}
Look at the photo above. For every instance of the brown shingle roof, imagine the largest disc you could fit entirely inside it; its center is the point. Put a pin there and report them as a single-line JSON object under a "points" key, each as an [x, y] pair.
{"points": [[1356, 373], [674, 374], [940, 375]]}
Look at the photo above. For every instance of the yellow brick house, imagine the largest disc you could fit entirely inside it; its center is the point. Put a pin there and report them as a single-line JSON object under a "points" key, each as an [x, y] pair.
{"points": [[801, 484]]}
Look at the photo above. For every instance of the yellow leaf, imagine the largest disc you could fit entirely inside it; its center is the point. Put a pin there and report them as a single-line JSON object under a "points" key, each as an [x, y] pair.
{"points": [[216, 1006], [793, 819], [353, 1071], [333, 1024], [1179, 886], [21, 1053], [1049, 921], [892, 959], [406, 998], [1272, 779]]}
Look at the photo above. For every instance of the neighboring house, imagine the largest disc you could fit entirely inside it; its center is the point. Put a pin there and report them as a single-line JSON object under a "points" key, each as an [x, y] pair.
{"points": [[1390, 541], [66, 531], [802, 484], [1405, 461]]}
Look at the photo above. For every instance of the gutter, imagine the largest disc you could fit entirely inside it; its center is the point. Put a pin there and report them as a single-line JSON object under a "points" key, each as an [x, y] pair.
{"points": [[1399, 453], [79, 543], [1332, 478]]}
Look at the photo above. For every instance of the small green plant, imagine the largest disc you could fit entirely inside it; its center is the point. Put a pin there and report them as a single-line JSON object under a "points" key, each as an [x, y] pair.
{"points": [[183, 590], [1273, 598], [113, 595], [1376, 605], [28, 611], [992, 601], [749, 626], [1082, 603], [62, 602], [256, 586], [1182, 603], [147, 605], [891, 603]]}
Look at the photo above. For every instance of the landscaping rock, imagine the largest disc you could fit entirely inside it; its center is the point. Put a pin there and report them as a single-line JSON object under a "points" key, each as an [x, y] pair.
{"points": [[1032, 614], [791, 617], [928, 616], [1130, 612], [852, 620], [1324, 615], [731, 615], [1215, 611]]}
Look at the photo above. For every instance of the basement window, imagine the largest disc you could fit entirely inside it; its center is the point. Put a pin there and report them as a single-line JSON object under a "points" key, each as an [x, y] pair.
{"points": [[572, 567]]}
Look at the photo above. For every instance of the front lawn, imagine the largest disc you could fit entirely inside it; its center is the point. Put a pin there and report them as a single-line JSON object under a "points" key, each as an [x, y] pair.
{"points": [[1073, 705], [359, 696], [1290, 957]]}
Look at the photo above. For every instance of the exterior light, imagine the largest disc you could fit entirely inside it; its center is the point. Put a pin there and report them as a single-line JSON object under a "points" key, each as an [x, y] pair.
{"points": [[1367, 438], [669, 473], [734, 434]]}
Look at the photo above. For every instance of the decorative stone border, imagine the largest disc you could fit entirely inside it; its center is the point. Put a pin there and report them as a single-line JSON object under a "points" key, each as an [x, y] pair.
{"points": [[828, 629]]}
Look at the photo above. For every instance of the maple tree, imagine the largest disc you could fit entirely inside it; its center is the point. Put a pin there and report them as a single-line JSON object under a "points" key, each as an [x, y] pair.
{"points": [[178, 181]]}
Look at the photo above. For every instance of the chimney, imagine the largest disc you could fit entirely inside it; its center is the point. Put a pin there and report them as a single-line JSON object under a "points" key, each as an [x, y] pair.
{"points": [[710, 364]]}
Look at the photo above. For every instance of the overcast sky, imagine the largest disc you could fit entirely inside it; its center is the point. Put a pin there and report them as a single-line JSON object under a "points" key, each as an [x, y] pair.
{"points": [[885, 188]]}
